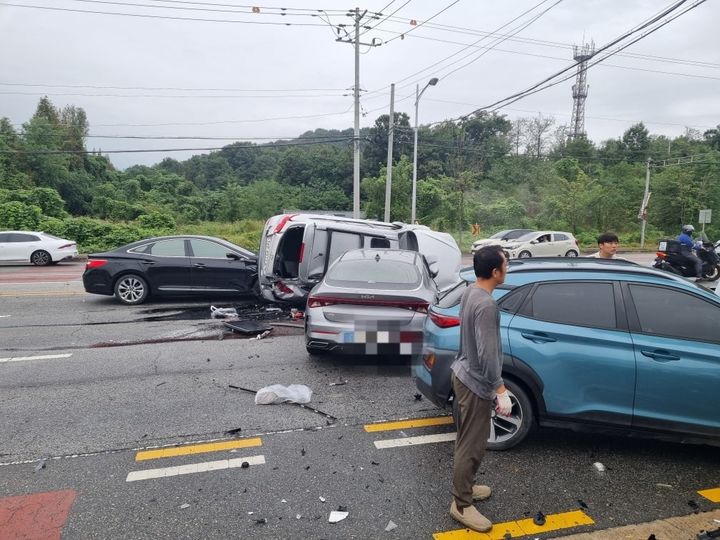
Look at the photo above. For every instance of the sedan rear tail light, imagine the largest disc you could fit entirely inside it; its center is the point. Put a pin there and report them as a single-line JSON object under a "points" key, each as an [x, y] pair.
{"points": [[95, 263], [324, 301], [444, 321], [67, 245], [661, 255]]}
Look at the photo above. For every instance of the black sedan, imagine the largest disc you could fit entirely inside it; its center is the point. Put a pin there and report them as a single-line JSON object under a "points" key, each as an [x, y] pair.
{"points": [[172, 265]]}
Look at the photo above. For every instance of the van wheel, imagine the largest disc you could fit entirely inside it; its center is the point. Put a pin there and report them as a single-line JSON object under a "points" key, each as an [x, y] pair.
{"points": [[508, 431]]}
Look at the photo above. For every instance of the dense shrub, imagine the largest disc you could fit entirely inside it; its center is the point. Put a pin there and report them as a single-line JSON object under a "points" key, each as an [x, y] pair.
{"points": [[19, 216]]}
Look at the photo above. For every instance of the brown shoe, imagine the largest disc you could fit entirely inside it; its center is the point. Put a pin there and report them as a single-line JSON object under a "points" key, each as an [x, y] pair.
{"points": [[480, 493], [470, 518]]}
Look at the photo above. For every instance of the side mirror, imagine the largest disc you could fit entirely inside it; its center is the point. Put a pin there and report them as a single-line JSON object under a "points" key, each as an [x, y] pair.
{"points": [[533, 241], [232, 255], [434, 269], [431, 259]]}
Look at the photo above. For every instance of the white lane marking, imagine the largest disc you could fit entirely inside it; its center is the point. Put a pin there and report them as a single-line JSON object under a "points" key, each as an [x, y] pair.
{"points": [[193, 468], [412, 441], [42, 357], [3, 316]]}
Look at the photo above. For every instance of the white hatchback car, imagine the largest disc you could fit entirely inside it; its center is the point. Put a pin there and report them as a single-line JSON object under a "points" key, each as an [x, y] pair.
{"points": [[543, 244], [38, 248]]}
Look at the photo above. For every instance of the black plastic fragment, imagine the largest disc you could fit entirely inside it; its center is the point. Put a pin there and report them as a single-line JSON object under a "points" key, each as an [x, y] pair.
{"points": [[261, 521], [707, 535], [247, 327], [233, 431], [539, 519], [418, 397], [582, 503], [342, 508], [695, 508], [244, 465]]}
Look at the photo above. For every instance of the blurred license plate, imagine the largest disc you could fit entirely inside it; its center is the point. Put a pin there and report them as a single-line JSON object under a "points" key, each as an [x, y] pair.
{"points": [[382, 336]]}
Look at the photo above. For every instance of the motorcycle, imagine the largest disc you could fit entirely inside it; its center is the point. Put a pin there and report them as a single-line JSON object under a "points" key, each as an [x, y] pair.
{"points": [[669, 257]]}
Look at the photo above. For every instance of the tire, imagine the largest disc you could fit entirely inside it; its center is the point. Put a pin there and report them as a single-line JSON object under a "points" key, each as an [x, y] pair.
{"points": [[571, 253], [506, 433], [131, 290], [524, 255], [714, 273], [41, 258]]}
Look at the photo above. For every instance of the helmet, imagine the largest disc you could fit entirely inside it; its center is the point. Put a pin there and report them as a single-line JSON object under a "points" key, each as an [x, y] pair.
{"points": [[688, 229]]}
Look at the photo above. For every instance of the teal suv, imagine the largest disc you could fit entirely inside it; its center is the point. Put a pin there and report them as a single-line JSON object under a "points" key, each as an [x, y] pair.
{"points": [[595, 345]]}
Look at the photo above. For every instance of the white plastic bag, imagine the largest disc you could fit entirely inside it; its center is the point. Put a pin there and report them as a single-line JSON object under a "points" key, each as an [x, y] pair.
{"points": [[223, 313], [277, 393]]}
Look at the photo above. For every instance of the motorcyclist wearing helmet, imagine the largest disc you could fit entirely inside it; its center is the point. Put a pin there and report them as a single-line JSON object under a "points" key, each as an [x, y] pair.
{"points": [[687, 246]]}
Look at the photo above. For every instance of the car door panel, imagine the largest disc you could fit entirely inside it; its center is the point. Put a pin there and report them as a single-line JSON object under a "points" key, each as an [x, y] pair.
{"points": [[678, 366], [588, 371], [212, 270], [167, 266]]}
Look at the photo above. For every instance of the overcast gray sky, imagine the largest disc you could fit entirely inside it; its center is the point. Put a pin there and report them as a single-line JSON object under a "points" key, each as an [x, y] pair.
{"points": [[168, 73]]}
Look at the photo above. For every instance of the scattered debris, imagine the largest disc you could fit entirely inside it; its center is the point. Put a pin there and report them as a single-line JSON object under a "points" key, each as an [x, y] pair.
{"points": [[322, 499], [283, 501], [582, 504], [261, 521], [244, 465], [652, 537], [302, 452], [342, 508], [706, 535], [374, 463], [665, 486], [276, 393], [338, 383], [418, 397], [695, 508], [184, 506], [716, 520], [539, 519], [298, 516], [250, 513], [264, 334], [337, 515], [40, 465], [223, 313], [390, 526], [160, 384], [234, 431], [599, 467], [248, 327], [307, 468]]}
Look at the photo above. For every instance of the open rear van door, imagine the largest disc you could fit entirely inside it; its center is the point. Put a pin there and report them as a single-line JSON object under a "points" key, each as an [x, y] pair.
{"points": [[441, 248]]}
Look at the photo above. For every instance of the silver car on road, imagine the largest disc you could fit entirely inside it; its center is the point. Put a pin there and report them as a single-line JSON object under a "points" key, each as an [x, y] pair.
{"points": [[371, 301]]}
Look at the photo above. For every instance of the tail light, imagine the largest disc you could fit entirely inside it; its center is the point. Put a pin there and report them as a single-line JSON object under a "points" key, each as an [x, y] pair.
{"points": [[661, 255], [64, 246], [281, 225], [283, 288], [95, 263], [444, 321], [302, 252], [429, 360], [324, 301]]}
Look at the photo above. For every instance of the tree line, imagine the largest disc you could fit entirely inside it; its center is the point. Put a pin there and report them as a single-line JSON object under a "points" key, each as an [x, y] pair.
{"points": [[484, 169]]}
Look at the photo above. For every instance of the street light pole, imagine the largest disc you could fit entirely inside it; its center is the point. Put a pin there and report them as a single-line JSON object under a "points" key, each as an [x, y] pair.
{"points": [[418, 95]]}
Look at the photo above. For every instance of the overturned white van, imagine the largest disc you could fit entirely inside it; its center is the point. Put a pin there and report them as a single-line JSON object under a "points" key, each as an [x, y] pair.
{"points": [[297, 249]]}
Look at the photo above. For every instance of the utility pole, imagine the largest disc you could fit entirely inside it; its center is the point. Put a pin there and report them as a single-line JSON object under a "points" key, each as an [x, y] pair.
{"points": [[391, 131], [646, 199], [356, 135], [357, 17]]}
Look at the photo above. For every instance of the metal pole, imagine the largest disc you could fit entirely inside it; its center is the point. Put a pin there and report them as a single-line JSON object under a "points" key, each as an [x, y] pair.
{"points": [[414, 179], [391, 130], [356, 136], [643, 210]]}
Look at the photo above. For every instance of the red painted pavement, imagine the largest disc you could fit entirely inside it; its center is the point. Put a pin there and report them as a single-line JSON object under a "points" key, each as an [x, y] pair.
{"points": [[38, 274], [40, 516]]}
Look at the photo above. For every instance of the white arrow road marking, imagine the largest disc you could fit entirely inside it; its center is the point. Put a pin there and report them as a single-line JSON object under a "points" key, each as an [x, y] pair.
{"points": [[42, 357], [193, 468]]}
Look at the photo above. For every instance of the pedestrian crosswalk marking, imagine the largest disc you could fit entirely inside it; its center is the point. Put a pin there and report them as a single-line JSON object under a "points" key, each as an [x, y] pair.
{"points": [[194, 468], [413, 441]]}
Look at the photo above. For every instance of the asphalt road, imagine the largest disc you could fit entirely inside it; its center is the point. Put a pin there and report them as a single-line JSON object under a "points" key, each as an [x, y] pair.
{"points": [[79, 427]]}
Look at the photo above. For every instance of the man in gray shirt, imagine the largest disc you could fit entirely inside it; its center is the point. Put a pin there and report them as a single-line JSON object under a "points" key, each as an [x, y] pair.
{"points": [[477, 384]]}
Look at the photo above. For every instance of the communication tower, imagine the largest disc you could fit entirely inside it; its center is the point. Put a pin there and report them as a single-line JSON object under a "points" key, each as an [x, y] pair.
{"points": [[580, 88]]}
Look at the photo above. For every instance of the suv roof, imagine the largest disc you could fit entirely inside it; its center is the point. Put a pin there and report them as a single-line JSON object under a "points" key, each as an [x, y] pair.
{"points": [[305, 218]]}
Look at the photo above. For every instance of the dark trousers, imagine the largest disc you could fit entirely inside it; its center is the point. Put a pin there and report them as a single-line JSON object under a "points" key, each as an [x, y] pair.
{"points": [[473, 430]]}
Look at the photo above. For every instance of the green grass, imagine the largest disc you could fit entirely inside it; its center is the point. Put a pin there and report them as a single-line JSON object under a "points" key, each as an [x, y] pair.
{"points": [[245, 233]]}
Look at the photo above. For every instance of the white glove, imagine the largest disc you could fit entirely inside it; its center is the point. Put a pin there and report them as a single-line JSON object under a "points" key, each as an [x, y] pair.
{"points": [[504, 405]]}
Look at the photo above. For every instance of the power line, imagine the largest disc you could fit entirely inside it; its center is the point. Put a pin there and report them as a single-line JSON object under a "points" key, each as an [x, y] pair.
{"points": [[164, 17], [386, 18], [539, 86], [156, 150], [424, 22]]}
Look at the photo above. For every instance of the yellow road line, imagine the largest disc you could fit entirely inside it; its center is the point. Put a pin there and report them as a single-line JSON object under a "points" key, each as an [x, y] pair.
{"points": [[197, 449], [711, 494], [407, 424], [522, 527]]}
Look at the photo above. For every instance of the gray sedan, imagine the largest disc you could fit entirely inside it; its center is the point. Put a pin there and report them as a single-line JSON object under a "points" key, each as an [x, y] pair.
{"points": [[371, 301]]}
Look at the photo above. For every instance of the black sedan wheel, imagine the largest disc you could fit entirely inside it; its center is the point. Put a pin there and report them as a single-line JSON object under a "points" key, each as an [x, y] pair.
{"points": [[131, 289], [508, 431], [40, 258]]}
